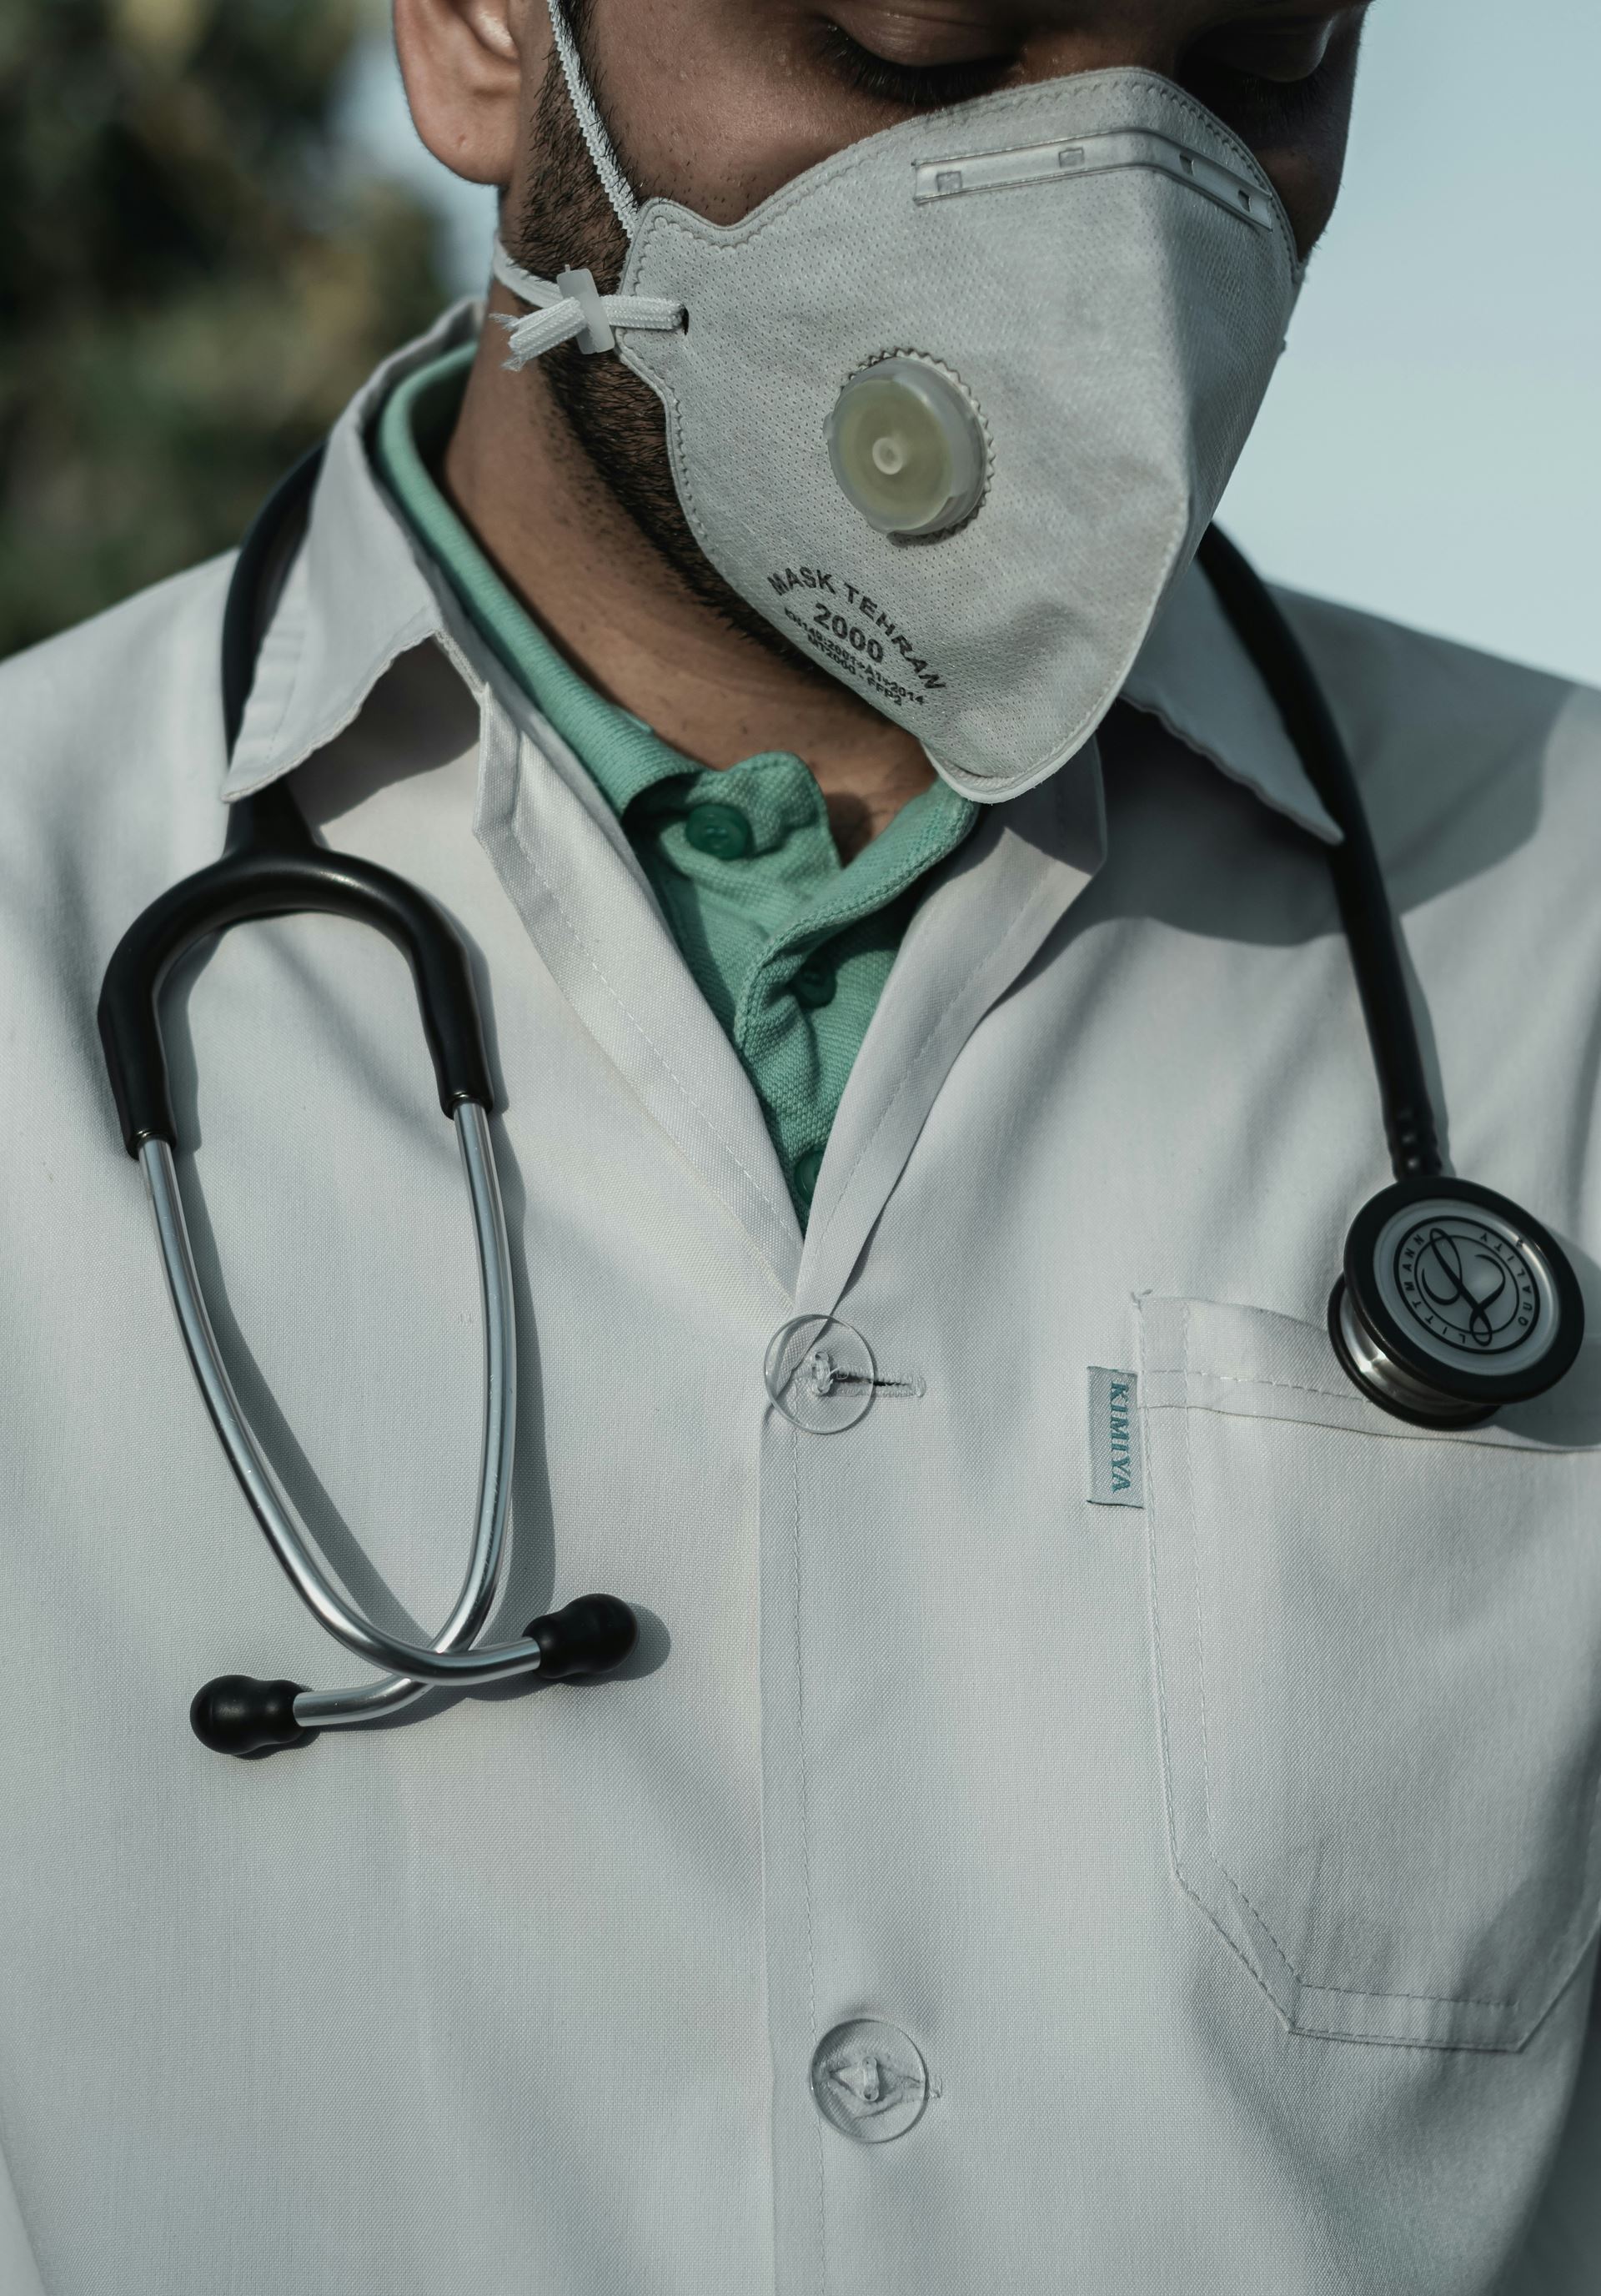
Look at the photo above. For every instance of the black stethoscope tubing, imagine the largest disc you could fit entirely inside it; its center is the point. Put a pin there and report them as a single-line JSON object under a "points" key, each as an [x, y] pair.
{"points": [[1371, 934], [271, 868]]}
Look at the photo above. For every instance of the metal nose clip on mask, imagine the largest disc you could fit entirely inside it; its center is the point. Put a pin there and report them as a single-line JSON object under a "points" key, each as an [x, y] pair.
{"points": [[272, 868]]}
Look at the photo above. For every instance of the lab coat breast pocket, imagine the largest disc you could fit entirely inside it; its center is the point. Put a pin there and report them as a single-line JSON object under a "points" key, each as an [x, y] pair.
{"points": [[1378, 1673]]}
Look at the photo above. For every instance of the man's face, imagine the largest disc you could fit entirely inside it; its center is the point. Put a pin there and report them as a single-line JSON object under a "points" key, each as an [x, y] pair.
{"points": [[717, 103]]}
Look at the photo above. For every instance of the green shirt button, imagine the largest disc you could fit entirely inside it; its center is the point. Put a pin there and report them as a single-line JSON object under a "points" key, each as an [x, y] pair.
{"points": [[814, 983], [806, 1170], [720, 830]]}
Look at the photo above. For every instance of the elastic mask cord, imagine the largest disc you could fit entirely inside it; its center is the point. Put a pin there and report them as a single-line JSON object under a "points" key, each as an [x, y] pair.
{"points": [[571, 308], [613, 181]]}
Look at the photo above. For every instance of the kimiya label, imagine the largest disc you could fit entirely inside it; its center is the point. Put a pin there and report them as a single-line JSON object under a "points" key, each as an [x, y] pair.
{"points": [[1115, 1474]]}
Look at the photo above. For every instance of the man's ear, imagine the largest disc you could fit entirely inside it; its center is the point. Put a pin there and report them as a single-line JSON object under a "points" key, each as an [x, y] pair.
{"points": [[470, 68]]}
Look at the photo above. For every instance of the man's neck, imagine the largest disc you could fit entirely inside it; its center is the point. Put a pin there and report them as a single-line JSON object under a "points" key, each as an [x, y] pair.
{"points": [[579, 563]]}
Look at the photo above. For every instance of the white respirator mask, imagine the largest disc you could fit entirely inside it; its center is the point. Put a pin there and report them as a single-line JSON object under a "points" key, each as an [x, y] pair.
{"points": [[952, 409]]}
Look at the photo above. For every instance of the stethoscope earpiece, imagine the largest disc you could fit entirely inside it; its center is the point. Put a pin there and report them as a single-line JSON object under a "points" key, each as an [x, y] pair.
{"points": [[1453, 1302], [241, 1714]]}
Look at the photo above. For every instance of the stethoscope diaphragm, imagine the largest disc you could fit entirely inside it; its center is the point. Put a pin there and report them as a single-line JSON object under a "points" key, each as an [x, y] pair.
{"points": [[1453, 1302]]}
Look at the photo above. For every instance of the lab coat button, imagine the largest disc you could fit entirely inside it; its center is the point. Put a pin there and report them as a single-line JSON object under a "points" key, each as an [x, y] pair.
{"points": [[819, 1372], [869, 2079]]}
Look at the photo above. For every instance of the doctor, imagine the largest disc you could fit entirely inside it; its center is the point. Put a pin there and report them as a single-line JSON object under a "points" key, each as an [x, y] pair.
{"points": [[1097, 1802]]}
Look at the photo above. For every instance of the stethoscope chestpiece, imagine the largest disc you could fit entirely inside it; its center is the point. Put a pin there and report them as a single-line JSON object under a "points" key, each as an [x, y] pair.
{"points": [[1453, 1302]]}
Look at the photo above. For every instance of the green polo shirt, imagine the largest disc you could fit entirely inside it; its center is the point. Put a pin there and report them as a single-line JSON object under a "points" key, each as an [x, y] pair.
{"points": [[789, 946]]}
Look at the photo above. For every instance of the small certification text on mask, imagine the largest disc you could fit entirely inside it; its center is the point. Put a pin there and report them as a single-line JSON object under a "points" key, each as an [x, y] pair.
{"points": [[853, 635]]}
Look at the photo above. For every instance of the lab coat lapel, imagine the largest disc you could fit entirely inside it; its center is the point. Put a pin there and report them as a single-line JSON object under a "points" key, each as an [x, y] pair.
{"points": [[591, 914], [557, 846], [980, 925]]}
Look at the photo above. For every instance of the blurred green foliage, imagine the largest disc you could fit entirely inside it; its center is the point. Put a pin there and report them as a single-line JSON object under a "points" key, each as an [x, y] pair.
{"points": [[190, 288]]}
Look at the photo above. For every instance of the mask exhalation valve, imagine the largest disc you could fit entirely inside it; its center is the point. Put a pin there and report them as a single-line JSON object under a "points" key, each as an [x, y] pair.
{"points": [[908, 447]]}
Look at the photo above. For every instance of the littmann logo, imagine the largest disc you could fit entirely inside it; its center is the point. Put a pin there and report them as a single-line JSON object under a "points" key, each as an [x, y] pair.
{"points": [[1115, 1478], [1470, 1287]]}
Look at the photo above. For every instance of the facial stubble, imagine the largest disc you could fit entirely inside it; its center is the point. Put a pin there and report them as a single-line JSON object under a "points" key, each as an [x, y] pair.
{"points": [[566, 222]]}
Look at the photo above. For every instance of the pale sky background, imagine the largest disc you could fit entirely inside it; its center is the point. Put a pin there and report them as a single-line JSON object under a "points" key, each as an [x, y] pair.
{"points": [[1431, 447]]}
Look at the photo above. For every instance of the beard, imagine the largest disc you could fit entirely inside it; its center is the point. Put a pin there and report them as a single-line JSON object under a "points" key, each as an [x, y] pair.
{"points": [[566, 223]]}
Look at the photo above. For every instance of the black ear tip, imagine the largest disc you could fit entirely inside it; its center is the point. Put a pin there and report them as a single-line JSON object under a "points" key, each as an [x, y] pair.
{"points": [[589, 1635], [235, 1714]]}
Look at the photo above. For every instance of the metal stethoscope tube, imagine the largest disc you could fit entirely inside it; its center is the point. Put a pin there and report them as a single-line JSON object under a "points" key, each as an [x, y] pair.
{"points": [[418, 1665]]}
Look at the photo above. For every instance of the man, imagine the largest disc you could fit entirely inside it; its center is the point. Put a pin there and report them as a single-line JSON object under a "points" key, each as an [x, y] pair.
{"points": [[1098, 1803]]}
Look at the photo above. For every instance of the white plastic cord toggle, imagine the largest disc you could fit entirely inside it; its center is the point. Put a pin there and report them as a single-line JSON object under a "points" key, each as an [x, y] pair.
{"points": [[571, 308], [595, 335]]}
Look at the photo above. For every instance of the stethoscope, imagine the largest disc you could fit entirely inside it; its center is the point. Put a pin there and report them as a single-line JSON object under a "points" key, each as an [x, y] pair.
{"points": [[1451, 1303]]}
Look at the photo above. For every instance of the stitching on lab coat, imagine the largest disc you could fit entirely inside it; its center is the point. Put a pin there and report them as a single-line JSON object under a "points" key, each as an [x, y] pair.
{"points": [[1195, 1573], [1174, 1852], [1397, 2040], [1384, 1430], [1167, 1779], [800, 1744], [582, 946], [1304, 1983], [1310, 2032], [1242, 1379], [1577, 1925], [1484, 2048], [1195, 1569]]}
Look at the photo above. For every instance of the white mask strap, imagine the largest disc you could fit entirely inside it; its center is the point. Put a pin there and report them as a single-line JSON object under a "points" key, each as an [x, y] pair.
{"points": [[571, 308], [613, 181]]}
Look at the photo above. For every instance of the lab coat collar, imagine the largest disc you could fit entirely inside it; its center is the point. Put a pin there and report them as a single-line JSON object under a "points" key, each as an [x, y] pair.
{"points": [[358, 597], [1195, 677]]}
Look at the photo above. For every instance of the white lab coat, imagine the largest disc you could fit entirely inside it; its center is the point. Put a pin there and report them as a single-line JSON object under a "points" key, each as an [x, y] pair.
{"points": [[1230, 1863]]}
